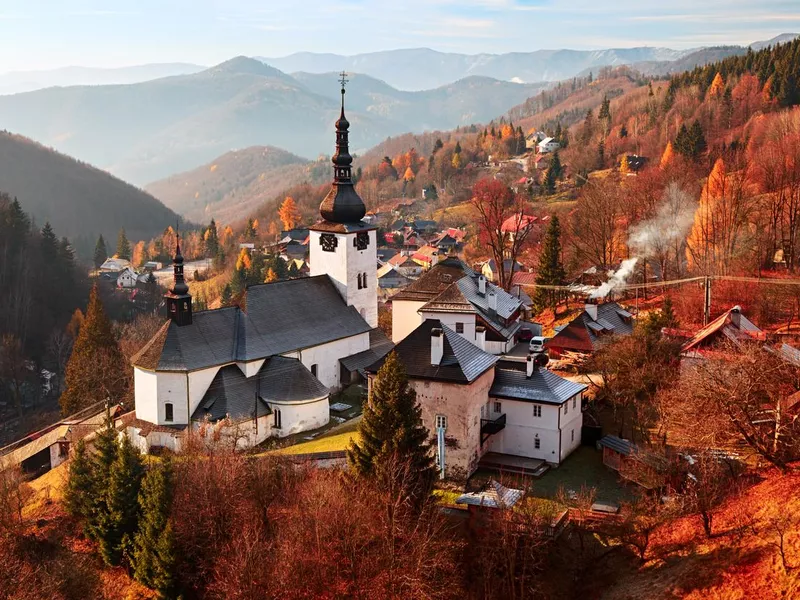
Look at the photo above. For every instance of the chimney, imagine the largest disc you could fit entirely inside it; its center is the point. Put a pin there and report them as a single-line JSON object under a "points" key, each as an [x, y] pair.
{"points": [[492, 302], [591, 310], [481, 285], [736, 316], [437, 346], [480, 337], [529, 366]]}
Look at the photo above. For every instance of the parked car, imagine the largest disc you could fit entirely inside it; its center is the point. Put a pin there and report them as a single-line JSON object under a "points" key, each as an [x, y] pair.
{"points": [[537, 343], [524, 335]]}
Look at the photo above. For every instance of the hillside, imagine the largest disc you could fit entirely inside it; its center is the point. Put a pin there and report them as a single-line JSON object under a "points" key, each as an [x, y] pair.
{"points": [[146, 131], [232, 185], [77, 199]]}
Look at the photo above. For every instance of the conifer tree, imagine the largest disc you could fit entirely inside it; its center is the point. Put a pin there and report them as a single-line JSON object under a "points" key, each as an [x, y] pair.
{"points": [[551, 270], [117, 527], [667, 156], [227, 295], [153, 547], [123, 245], [105, 454], [392, 432], [96, 367], [294, 272], [80, 485]]}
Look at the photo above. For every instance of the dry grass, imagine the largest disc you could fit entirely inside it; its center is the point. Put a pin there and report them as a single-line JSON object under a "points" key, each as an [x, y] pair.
{"points": [[738, 563]]}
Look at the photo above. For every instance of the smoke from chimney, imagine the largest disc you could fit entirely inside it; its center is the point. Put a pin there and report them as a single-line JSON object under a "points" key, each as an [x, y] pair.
{"points": [[615, 278]]}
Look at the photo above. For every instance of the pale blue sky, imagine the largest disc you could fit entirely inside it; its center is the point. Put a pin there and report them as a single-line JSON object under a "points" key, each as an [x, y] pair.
{"points": [[39, 34]]}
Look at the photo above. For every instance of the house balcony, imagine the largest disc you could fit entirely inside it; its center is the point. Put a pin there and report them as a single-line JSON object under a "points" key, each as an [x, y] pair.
{"points": [[490, 427]]}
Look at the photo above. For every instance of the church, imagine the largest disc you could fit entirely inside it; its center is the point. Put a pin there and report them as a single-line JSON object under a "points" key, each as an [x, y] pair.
{"points": [[267, 368]]}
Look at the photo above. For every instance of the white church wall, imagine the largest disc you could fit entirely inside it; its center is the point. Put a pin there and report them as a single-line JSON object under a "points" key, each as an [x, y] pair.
{"points": [[199, 382], [146, 394], [297, 417], [327, 356], [344, 266], [172, 388], [405, 318], [249, 368]]}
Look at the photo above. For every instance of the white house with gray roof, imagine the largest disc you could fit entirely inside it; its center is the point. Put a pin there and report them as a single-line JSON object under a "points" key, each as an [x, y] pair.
{"points": [[267, 368]]}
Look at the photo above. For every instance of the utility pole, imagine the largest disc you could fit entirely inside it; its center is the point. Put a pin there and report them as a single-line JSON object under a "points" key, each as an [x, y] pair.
{"points": [[707, 301]]}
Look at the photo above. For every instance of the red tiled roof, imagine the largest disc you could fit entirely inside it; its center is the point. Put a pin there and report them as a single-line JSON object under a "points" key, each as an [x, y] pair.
{"points": [[515, 222], [523, 278]]}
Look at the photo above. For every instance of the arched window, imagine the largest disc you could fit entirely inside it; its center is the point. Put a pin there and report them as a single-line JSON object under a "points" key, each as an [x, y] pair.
{"points": [[276, 418]]}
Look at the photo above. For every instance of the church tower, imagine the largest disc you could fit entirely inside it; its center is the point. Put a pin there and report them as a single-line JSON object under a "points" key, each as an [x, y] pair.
{"points": [[178, 299], [342, 246]]}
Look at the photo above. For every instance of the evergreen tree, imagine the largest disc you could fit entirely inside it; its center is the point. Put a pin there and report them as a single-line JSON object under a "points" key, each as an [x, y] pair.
{"points": [[551, 271], [605, 109], [96, 367], [555, 165], [80, 485], [294, 272], [153, 546], [623, 132], [227, 295], [105, 454], [392, 433], [697, 140], [211, 238], [550, 180], [250, 230], [118, 525], [601, 155], [123, 245]]}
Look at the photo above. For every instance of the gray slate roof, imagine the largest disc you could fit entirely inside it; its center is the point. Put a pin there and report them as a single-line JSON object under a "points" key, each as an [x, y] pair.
{"points": [[379, 346], [617, 444], [543, 386], [462, 361], [280, 379], [495, 495], [280, 317]]}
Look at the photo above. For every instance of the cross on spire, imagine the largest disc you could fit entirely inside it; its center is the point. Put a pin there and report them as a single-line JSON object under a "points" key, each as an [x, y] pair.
{"points": [[344, 80]]}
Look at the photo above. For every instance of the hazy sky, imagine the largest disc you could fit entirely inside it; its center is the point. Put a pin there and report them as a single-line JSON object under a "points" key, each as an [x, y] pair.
{"points": [[39, 34]]}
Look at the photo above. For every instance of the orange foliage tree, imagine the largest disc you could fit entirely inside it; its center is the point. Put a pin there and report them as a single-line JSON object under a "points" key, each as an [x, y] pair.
{"points": [[667, 156], [289, 213]]}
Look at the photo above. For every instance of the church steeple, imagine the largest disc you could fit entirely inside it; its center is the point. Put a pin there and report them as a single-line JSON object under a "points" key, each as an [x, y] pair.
{"points": [[178, 299], [342, 204]]}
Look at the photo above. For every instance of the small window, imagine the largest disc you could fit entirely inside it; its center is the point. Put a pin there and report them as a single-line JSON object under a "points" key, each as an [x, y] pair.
{"points": [[537, 443], [314, 369], [459, 328], [573, 436], [498, 407], [276, 418], [168, 412], [574, 402], [566, 408], [537, 410], [441, 421]]}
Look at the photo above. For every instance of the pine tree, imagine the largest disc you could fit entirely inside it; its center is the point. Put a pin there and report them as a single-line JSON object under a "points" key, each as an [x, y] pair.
{"points": [[623, 132], [697, 140], [550, 179], [80, 485], [227, 295], [100, 252], [96, 366], [211, 238], [605, 109], [551, 271], [392, 433], [118, 525], [601, 155], [153, 547], [123, 245], [294, 272], [106, 448]]}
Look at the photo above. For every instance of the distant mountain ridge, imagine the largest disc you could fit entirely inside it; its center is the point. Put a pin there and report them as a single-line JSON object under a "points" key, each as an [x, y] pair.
{"points": [[146, 131], [77, 199], [16, 82]]}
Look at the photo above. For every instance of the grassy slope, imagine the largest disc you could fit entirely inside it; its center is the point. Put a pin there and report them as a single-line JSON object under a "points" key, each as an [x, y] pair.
{"points": [[727, 567]]}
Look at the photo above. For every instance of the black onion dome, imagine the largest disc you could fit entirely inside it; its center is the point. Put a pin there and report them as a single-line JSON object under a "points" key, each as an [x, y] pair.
{"points": [[180, 287], [342, 204]]}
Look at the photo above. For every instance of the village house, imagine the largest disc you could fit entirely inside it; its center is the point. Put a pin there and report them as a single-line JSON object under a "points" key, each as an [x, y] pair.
{"points": [[127, 278], [114, 264], [731, 327], [485, 408], [426, 257], [596, 324], [406, 266], [473, 307], [390, 278], [547, 145], [532, 140], [267, 369], [491, 272]]}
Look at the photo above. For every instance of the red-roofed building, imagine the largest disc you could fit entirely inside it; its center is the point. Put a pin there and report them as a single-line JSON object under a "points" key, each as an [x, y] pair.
{"points": [[730, 326], [426, 257]]}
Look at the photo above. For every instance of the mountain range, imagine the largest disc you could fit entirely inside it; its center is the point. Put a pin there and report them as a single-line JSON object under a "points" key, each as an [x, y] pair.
{"points": [[146, 131], [16, 82], [77, 199]]}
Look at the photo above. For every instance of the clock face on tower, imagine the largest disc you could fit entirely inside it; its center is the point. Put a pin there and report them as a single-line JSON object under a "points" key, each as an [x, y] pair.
{"points": [[328, 242], [361, 241]]}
